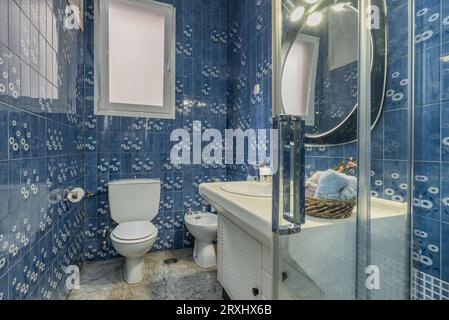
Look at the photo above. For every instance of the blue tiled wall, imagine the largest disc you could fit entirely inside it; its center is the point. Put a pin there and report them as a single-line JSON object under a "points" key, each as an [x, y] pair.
{"points": [[40, 148], [125, 147], [249, 64], [431, 194]]}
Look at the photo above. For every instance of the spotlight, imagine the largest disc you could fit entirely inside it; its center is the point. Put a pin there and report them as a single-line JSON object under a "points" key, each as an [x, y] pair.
{"points": [[297, 14], [314, 19]]}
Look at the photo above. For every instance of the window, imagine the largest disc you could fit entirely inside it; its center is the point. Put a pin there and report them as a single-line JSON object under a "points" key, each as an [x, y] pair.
{"points": [[299, 77], [135, 58]]}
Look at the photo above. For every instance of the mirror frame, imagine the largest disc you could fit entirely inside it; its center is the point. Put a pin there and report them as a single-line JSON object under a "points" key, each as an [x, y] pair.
{"points": [[346, 131]]}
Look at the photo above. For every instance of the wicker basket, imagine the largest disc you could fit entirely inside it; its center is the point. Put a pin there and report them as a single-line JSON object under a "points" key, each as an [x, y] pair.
{"points": [[329, 209]]}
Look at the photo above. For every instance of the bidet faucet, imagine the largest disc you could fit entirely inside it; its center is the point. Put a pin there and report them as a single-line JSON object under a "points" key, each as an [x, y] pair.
{"points": [[257, 167]]}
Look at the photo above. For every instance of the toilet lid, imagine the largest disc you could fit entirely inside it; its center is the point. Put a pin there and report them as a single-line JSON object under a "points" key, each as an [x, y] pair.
{"points": [[134, 230]]}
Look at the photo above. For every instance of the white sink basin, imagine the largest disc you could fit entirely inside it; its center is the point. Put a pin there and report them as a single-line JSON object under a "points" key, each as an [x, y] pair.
{"points": [[249, 189]]}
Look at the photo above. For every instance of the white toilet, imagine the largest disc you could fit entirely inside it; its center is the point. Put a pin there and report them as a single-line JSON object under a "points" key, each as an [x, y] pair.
{"points": [[134, 204], [203, 226]]}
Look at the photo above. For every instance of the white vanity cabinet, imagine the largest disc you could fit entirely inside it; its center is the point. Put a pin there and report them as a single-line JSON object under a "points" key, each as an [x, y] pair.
{"points": [[244, 263]]}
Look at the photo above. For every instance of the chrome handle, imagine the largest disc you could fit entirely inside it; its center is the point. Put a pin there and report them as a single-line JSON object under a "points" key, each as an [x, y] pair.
{"points": [[288, 180]]}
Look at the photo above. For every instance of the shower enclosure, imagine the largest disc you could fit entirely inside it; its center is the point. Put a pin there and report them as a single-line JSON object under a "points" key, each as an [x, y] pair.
{"points": [[335, 67]]}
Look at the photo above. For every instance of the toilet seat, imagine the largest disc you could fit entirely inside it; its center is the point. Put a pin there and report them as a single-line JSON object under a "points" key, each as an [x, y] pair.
{"points": [[134, 232]]}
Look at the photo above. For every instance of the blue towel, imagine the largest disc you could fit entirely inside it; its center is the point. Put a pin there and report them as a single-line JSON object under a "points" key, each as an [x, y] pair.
{"points": [[331, 184], [350, 192]]}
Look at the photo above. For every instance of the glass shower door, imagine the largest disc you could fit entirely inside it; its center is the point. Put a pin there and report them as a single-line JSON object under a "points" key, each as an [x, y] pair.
{"points": [[388, 164], [340, 50]]}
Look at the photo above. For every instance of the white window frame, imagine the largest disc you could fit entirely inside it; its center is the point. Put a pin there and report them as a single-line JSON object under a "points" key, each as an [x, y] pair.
{"points": [[102, 104]]}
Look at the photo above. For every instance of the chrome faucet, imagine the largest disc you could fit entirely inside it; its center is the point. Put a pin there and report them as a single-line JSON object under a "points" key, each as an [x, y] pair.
{"points": [[265, 173]]}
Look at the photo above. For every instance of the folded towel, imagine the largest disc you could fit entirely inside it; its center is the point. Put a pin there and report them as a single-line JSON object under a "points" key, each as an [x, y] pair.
{"points": [[311, 184], [350, 192], [330, 185], [315, 178], [311, 189]]}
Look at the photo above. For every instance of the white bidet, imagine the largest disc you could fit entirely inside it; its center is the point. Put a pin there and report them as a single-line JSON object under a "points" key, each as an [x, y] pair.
{"points": [[203, 226]]}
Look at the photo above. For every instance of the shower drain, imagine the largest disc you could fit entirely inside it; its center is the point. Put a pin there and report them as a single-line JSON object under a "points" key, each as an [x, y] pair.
{"points": [[171, 261]]}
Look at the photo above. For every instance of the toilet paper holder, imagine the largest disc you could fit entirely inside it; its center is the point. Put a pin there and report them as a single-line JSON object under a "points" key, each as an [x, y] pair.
{"points": [[76, 195]]}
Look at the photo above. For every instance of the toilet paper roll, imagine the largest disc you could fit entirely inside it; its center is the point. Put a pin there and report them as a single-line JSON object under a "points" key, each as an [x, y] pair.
{"points": [[76, 195]]}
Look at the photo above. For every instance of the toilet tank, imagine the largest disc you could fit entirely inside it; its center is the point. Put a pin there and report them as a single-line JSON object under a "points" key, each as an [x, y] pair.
{"points": [[134, 199]]}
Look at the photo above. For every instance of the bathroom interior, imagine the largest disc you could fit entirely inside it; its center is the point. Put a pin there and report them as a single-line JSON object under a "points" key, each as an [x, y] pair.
{"points": [[97, 96]]}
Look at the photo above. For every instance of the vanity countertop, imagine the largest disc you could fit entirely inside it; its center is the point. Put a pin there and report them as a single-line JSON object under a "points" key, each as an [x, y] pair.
{"points": [[254, 213]]}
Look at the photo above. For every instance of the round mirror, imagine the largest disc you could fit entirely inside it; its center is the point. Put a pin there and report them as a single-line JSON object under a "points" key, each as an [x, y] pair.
{"points": [[320, 71]]}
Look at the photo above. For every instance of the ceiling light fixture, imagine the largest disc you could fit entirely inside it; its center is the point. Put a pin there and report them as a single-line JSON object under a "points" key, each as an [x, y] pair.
{"points": [[297, 13]]}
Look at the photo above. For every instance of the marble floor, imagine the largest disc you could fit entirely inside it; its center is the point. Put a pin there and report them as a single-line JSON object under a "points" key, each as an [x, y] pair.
{"points": [[102, 280]]}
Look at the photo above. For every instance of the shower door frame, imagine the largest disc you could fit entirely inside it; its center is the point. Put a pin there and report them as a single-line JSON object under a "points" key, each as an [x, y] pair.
{"points": [[363, 239], [410, 139]]}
